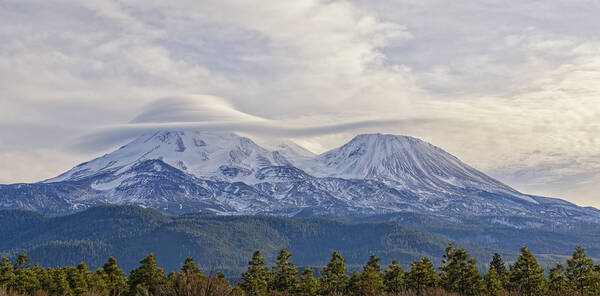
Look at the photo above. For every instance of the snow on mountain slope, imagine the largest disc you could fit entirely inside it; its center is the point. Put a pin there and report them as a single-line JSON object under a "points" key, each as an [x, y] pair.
{"points": [[404, 162], [190, 171], [294, 152], [216, 156]]}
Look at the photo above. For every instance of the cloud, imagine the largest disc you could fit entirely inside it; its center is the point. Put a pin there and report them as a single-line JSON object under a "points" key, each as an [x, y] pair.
{"points": [[489, 81], [192, 108], [214, 114]]}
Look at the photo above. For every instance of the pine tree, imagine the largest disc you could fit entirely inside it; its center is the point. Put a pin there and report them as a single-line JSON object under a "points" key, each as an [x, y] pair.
{"points": [[85, 271], [97, 284], [190, 279], [334, 278], [459, 273], [580, 271], [596, 285], [421, 275], [373, 263], [78, 278], [307, 284], [285, 273], [354, 284], [498, 264], [526, 276], [493, 283], [7, 275], [147, 278], [190, 267], [393, 278], [26, 280], [43, 276], [257, 280], [558, 281], [371, 281], [22, 262], [114, 278], [60, 283]]}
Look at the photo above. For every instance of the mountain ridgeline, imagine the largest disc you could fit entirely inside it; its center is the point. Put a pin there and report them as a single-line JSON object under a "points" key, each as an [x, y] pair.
{"points": [[178, 172], [219, 196]]}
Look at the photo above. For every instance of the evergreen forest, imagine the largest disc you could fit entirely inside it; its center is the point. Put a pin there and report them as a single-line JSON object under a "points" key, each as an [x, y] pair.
{"points": [[457, 275]]}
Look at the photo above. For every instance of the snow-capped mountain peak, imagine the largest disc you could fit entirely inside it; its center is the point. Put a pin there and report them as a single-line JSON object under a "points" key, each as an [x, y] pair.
{"points": [[405, 162], [219, 156], [224, 173]]}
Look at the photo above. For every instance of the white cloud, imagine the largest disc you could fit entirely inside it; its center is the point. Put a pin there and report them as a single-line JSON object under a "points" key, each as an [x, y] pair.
{"points": [[193, 108], [202, 112], [511, 88]]}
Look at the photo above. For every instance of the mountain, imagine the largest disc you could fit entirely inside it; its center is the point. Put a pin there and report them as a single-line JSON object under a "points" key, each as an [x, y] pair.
{"points": [[372, 180], [217, 156], [377, 175], [408, 163]]}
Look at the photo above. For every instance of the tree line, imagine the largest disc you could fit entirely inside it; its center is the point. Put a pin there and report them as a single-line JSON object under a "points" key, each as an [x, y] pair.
{"points": [[457, 275]]}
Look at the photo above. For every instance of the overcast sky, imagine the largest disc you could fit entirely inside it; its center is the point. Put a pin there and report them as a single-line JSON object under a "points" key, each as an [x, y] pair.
{"points": [[510, 87]]}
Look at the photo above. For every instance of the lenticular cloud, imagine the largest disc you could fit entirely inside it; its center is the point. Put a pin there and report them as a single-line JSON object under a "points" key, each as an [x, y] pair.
{"points": [[193, 108], [210, 113]]}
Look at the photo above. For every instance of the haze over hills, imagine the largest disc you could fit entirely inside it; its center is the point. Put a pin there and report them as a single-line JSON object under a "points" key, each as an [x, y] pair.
{"points": [[178, 172]]}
